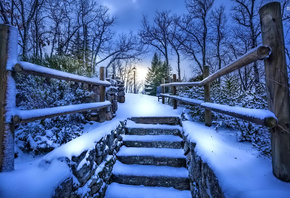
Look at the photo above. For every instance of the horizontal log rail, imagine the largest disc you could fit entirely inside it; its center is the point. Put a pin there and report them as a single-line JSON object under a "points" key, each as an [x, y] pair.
{"points": [[258, 53], [9, 113], [33, 69], [183, 99], [24, 116], [258, 116]]}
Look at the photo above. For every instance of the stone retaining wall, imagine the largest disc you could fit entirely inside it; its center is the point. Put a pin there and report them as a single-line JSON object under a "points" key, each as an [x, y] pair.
{"points": [[203, 182], [92, 169]]}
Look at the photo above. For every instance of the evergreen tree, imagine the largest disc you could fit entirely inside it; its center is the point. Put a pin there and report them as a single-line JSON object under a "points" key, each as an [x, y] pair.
{"points": [[156, 72]]}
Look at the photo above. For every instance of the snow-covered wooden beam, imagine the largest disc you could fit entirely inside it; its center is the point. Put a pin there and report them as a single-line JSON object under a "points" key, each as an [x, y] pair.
{"points": [[183, 99], [258, 116], [23, 116], [258, 53], [33, 69]]}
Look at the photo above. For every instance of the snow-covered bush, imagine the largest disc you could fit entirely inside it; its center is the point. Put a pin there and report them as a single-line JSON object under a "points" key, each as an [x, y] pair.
{"points": [[35, 92], [228, 92]]}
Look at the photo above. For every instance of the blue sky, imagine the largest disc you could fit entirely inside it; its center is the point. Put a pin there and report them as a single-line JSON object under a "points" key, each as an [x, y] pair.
{"points": [[129, 12], [129, 15]]}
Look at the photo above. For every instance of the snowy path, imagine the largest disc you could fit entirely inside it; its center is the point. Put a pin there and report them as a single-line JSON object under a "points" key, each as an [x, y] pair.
{"points": [[238, 166], [129, 191]]}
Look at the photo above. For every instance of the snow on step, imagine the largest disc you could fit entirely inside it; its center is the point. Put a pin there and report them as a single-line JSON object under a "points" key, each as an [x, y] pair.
{"points": [[155, 152], [131, 124], [149, 170], [149, 138], [129, 191]]}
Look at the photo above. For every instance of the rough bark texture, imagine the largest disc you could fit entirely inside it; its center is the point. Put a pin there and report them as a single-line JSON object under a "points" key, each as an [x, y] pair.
{"points": [[174, 92], [102, 112], [163, 90], [277, 88], [207, 112], [6, 128]]}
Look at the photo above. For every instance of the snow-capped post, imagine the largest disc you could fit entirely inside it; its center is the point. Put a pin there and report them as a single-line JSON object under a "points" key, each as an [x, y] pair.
{"points": [[102, 112], [174, 92], [207, 112], [8, 57], [277, 88], [163, 90]]}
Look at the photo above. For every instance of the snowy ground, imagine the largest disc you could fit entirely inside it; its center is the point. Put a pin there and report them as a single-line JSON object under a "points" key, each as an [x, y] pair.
{"points": [[239, 167], [33, 178]]}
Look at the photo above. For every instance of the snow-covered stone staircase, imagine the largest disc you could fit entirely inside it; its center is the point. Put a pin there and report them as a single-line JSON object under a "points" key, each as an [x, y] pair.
{"points": [[151, 163]]}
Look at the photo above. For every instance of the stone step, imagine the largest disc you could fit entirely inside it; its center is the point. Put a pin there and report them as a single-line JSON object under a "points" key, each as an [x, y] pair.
{"points": [[130, 191], [152, 129], [169, 120], [152, 156], [149, 175], [153, 141]]}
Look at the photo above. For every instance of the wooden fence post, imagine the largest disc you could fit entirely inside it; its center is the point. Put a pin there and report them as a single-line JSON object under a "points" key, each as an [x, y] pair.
{"points": [[207, 112], [277, 88], [174, 92], [169, 89], [8, 57], [102, 112], [163, 90]]}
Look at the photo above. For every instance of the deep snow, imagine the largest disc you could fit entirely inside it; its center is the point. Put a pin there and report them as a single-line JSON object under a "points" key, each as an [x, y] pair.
{"points": [[241, 170]]}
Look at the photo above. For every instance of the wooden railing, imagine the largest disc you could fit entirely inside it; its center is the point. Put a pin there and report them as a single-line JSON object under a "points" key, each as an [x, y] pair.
{"points": [[10, 115], [263, 118], [278, 118]]}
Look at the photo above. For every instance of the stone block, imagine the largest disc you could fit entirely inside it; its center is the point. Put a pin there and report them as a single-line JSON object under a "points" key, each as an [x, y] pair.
{"points": [[121, 94], [203, 182], [95, 185], [114, 106], [83, 166], [64, 189], [109, 116], [121, 99]]}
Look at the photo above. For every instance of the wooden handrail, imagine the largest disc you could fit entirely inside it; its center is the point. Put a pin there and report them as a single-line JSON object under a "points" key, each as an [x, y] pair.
{"points": [[24, 116], [268, 119], [9, 115], [29, 68], [258, 53]]}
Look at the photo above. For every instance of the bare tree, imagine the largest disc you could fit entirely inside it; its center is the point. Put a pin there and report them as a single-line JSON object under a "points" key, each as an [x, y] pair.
{"points": [[102, 34], [195, 25], [176, 40], [245, 14], [27, 10], [285, 5], [127, 47], [4, 13], [157, 34], [217, 35], [57, 13], [39, 34]]}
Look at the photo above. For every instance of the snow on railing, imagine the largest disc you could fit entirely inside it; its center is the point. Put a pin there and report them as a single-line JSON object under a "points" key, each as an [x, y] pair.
{"points": [[30, 68], [258, 53], [262, 117], [183, 99], [8, 112], [258, 116], [277, 88], [23, 116]]}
